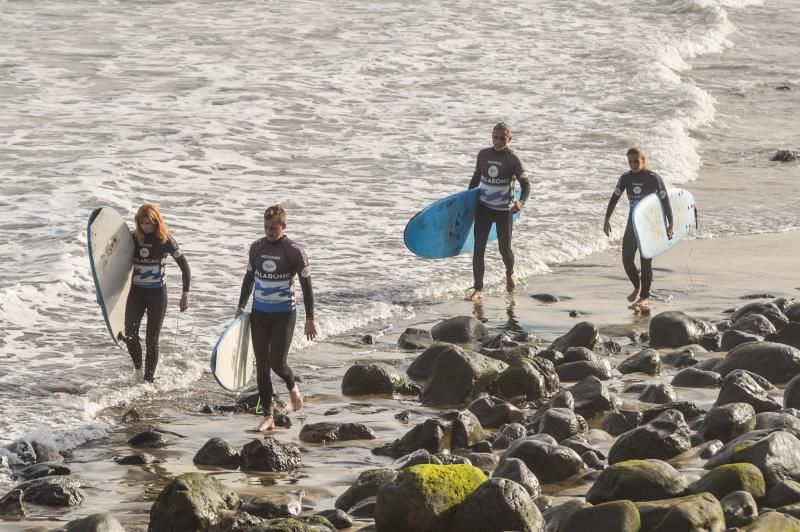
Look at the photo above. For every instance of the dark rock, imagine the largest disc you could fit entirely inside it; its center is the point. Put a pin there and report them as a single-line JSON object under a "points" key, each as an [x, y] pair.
{"points": [[776, 454], [682, 358], [414, 339], [676, 329], [621, 516], [785, 156], [561, 423], [52, 491], [793, 311], [508, 354], [622, 421], [583, 334], [465, 429], [138, 459], [458, 330], [422, 366], [459, 377], [742, 388], [270, 455], [23, 450], [710, 341], [534, 379], [284, 504], [191, 501], [729, 421], [576, 354], [660, 393], [591, 397], [368, 339], [365, 486], [332, 432], [647, 361], [789, 335], [688, 409], [484, 461], [150, 439], [364, 509], [217, 452], [755, 324], [546, 298], [507, 434], [593, 461], [733, 338], [493, 412], [637, 480], [710, 448], [498, 504], [547, 461], [432, 435], [728, 478], [575, 314], [337, 518], [579, 370], [516, 470], [784, 493], [374, 378], [556, 357], [101, 522], [696, 378], [708, 364], [739, 508], [555, 515], [483, 446], [778, 363], [11, 505], [562, 399], [664, 437], [46, 453], [683, 514], [773, 521], [791, 394], [778, 421], [45, 469]]}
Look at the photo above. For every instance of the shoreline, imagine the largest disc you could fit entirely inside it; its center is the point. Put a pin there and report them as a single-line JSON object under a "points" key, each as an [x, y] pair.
{"points": [[595, 287]]}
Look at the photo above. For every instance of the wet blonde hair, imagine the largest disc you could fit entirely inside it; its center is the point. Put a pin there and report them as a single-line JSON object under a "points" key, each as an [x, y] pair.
{"points": [[150, 212], [276, 211], [641, 154]]}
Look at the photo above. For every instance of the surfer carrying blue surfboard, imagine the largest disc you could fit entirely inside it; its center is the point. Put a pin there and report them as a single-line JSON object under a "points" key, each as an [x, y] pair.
{"points": [[148, 293], [496, 171], [638, 183], [273, 262]]}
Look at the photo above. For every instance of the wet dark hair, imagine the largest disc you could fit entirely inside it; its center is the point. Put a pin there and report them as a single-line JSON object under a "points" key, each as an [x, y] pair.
{"points": [[276, 211]]}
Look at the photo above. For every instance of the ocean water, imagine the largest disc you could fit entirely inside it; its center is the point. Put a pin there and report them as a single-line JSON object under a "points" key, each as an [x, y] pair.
{"points": [[354, 114]]}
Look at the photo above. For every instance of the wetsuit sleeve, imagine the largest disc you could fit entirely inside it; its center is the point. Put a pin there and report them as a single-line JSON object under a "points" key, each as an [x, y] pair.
{"points": [[476, 175], [663, 195], [303, 270], [183, 264], [615, 196], [524, 181], [249, 280]]}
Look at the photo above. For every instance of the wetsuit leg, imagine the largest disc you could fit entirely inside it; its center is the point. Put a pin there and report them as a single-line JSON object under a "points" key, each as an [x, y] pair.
{"points": [[134, 311], [483, 225], [260, 332], [156, 310], [647, 277], [629, 249], [504, 230], [280, 341]]}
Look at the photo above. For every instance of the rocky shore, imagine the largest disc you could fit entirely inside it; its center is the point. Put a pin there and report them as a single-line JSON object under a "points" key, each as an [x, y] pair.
{"points": [[554, 409]]}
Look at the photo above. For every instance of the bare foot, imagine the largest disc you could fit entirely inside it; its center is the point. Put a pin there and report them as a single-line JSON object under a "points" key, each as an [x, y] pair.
{"points": [[476, 295], [267, 424], [633, 295], [643, 304], [296, 398], [511, 283]]}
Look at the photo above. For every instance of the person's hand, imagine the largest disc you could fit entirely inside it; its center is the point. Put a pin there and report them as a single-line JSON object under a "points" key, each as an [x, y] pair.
{"points": [[311, 329], [670, 231], [516, 206], [239, 311], [607, 227], [184, 304]]}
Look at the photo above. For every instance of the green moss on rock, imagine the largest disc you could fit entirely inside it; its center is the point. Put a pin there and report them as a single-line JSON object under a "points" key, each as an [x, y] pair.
{"points": [[728, 478]]}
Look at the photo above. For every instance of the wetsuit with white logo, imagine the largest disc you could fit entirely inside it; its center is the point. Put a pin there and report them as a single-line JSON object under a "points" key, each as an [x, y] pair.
{"points": [[270, 277], [149, 294], [496, 173], [637, 185]]}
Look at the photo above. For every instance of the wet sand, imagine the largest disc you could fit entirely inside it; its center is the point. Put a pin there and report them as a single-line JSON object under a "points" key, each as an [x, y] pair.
{"points": [[701, 277]]}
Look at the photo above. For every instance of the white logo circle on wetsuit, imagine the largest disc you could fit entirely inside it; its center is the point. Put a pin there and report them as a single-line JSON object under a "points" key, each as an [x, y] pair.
{"points": [[493, 171], [269, 266], [144, 253], [637, 190]]}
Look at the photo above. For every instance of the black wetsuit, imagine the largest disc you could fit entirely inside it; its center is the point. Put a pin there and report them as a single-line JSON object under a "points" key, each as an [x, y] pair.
{"points": [[271, 269], [495, 173], [638, 185], [149, 294]]}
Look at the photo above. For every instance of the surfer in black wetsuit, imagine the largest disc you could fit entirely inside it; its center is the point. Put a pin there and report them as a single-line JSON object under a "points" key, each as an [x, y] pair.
{"points": [[273, 262], [496, 171], [148, 293], [637, 183]]}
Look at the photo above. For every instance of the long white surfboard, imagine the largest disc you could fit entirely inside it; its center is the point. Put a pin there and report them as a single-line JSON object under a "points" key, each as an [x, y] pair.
{"points": [[650, 224], [233, 358], [111, 258]]}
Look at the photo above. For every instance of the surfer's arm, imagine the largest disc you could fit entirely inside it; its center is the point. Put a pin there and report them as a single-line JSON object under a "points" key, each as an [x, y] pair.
{"points": [[476, 176], [186, 275], [663, 195], [304, 276], [248, 283], [612, 204]]}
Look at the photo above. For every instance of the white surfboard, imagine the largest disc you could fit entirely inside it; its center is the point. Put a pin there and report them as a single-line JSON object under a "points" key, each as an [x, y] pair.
{"points": [[111, 258], [650, 222], [233, 358]]}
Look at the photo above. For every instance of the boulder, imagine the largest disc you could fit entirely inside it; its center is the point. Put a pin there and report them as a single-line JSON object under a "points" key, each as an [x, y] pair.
{"points": [[683, 357], [561, 423], [732, 338], [100, 522], [150, 439], [270, 455], [580, 369], [498, 504], [365, 486], [413, 339], [549, 462], [44, 469], [789, 335], [688, 409], [339, 519], [739, 508], [422, 366], [692, 377], [459, 377], [676, 329], [755, 324], [660, 393], [326, 432], [516, 470], [771, 522], [778, 421], [424, 497], [647, 361], [727, 478], [63, 491], [583, 334], [534, 379], [459, 330], [637, 480], [739, 387], [219, 453], [791, 394], [493, 412], [683, 514], [776, 454], [616, 423], [555, 515], [284, 504], [577, 354], [778, 363], [432, 435], [784, 493], [665, 436], [465, 429], [507, 434], [591, 397], [728, 421], [191, 501], [374, 378], [621, 516]]}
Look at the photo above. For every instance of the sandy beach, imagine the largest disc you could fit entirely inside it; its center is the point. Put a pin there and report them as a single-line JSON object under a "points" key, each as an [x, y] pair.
{"points": [[702, 277]]}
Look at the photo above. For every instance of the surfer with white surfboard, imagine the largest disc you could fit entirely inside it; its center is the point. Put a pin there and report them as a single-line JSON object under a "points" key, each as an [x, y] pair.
{"points": [[638, 183], [148, 291], [273, 262], [496, 171]]}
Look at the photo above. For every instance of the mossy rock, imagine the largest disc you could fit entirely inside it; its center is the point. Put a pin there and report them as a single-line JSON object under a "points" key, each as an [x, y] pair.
{"points": [[728, 478], [773, 521], [692, 512], [637, 480], [621, 516], [423, 497]]}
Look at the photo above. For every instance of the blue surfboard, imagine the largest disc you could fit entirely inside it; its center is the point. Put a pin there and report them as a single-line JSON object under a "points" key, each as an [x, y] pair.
{"points": [[444, 228]]}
